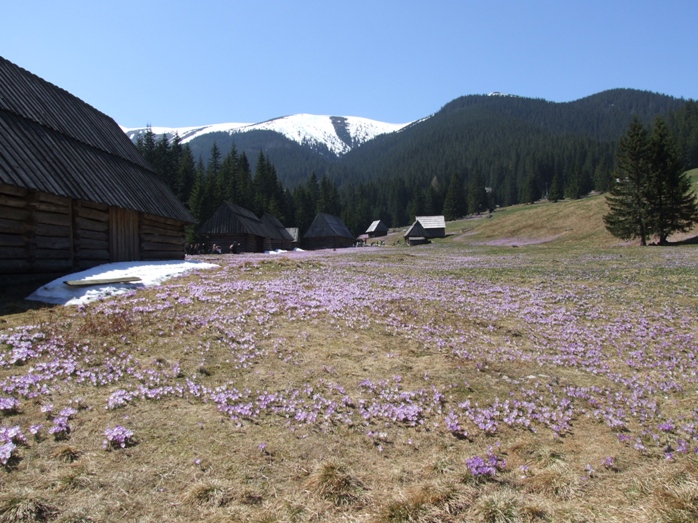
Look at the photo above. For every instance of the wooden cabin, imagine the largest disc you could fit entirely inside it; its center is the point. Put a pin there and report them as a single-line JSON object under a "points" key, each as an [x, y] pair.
{"points": [[377, 228], [416, 235], [281, 238], [434, 226], [327, 232], [235, 225], [74, 190]]}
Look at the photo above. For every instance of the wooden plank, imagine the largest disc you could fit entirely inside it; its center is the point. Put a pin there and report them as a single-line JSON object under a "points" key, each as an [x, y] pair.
{"points": [[52, 207], [52, 198], [13, 213], [159, 238], [94, 254], [94, 235], [51, 254], [150, 229], [14, 264], [12, 226], [157, 221], [52, 242], [12, 240], [86, 243], [90, 225], [123, 234], [52, 218], [43, 229], [93, 205], [13, 252], [102, 281], [13, 190], [93, 214], [12, 201], [154, 246]]}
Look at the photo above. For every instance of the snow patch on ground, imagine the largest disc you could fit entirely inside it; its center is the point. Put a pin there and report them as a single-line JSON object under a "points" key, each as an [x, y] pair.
{"points": [[150, 273]]}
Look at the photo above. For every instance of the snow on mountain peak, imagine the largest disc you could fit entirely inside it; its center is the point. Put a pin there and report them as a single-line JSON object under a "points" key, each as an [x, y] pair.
{"points": [[339, 134]]}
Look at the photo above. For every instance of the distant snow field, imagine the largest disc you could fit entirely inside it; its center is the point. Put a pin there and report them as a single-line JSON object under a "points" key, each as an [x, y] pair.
{"points": [[305, 129]]}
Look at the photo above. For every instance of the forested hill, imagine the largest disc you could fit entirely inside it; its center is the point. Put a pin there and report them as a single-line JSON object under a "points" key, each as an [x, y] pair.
{"points": [[507, 138]]}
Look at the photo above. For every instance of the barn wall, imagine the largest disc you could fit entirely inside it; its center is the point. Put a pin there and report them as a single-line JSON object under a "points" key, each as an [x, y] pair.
{"points": [[42, 233], [90, 234], [160, 238]]}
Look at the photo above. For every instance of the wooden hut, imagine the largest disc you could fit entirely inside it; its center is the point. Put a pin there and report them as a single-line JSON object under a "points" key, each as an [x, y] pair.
{"points": [[235, 225], [281, 238], [434, 226], [416, 235], [377, 228], [74, 190], [327, 232]]}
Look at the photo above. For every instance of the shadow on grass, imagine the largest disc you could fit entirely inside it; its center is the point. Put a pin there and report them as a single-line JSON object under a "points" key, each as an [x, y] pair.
{"points": [[14, 288]]}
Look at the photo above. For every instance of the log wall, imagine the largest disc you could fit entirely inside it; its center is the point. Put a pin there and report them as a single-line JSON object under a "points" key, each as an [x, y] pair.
{"points": [[41, 232]]}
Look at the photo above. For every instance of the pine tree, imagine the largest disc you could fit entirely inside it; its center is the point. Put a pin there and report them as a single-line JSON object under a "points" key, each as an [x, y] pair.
{"points": [[477, 195], [672, 205], [628, 217], [454, 201], [556, 191]]}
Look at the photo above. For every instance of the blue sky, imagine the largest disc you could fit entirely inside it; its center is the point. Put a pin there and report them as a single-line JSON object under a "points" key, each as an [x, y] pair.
{"points": [[175, 63]]}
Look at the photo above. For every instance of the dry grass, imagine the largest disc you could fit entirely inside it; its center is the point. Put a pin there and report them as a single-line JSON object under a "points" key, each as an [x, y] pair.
{"points": [[330, 351]]}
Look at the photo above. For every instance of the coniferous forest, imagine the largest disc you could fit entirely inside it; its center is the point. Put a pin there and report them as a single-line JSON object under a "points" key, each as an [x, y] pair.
{"points": [[475, 154]]}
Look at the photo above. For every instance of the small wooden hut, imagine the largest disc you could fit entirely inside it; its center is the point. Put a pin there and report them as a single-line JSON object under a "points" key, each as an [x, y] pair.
{"points": [[235, 225], [74, 190], [281, 238], [434, 226], [377, 228], [416, 235], [327, 232]]}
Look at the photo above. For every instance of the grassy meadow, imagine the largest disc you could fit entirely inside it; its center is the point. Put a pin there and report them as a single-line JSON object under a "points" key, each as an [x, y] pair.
{"points": [[528, 367]]}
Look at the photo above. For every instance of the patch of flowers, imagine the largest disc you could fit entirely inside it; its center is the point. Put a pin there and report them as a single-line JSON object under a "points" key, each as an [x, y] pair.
{"points": [[486, 466], [117, 437]]}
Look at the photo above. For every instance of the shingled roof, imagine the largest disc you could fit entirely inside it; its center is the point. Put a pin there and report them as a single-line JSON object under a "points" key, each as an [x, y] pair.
{"points": [[233, 219], [326, 225], [51, 141]]}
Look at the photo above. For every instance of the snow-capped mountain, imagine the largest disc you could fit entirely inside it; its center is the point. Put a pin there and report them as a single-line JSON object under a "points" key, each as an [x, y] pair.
{"points": [[339, 134]]}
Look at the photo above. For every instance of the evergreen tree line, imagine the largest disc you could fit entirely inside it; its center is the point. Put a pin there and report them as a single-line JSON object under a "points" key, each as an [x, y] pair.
{"points": [[204, 185], [444, 172]]}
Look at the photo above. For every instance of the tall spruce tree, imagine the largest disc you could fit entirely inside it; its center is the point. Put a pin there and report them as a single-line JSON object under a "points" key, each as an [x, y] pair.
{"points": [[671, 204], [477, 195], [628, 214]]}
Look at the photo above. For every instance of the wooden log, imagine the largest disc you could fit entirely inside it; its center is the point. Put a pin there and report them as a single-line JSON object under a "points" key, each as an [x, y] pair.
{"points": [[52, 218], [52, 207], [13, 190], [159, 238], [13, 213], [92, 214], [52, 254], [153, 246], [12, 226], [13, 252], [157, 221], [93, 205], [12, 201], [151, 229], [43, 229], [52, 198], [94, 235], [14, 265], [86, 243], [93, 254], [12, 240], [52, 242], [90, 225]]}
